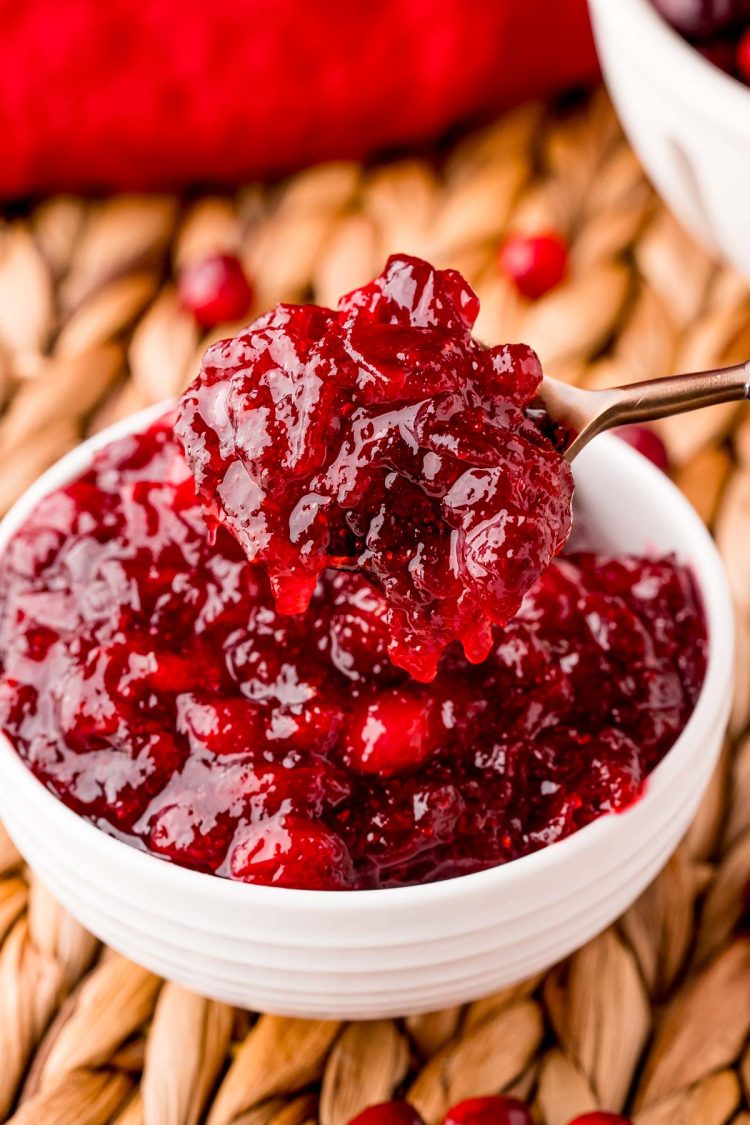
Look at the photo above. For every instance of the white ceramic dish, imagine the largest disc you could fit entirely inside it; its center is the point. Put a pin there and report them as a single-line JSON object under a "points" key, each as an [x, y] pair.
{"points": [[362, 954], [687, 120]]}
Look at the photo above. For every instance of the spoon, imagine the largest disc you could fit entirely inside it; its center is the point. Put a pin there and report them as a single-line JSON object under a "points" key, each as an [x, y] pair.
{"points": [[583, 414]]}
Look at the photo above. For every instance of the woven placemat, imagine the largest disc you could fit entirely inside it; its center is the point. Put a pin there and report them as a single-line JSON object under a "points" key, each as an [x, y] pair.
{"points": [[653, 1015]]}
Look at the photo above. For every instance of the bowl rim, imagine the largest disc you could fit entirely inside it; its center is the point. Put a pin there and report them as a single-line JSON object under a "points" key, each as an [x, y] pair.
{"points": [[662, 50], [711, 704]]}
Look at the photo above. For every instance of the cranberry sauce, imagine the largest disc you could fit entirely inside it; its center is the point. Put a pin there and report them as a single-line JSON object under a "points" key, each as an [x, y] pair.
{"points": [[719, 29], [150, 682], [383, 437]]}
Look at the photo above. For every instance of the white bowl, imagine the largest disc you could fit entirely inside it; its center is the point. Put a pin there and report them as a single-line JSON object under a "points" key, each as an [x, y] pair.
{"points": [[687, 120], [363, 954]]}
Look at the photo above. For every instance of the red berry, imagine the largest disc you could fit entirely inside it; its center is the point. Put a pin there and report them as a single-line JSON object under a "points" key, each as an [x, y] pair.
{"points": [[388, 1113], [181, 832], [600, 1117], [489, 1111], [743, 57], [215, 290], [357, 629], [392, 733], [535, 263], [290, 851], [220, 726], [647, 442]]}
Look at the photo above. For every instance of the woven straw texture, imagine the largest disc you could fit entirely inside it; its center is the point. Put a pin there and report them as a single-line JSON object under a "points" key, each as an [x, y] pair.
{"points": [[652, 1016]]}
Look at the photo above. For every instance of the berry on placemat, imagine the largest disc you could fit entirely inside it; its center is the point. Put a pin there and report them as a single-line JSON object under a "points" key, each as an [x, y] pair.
{"points": [[215, 290], [600, 1117], [535, 263], [489, 1111], [388, 1113], [647, 442]]}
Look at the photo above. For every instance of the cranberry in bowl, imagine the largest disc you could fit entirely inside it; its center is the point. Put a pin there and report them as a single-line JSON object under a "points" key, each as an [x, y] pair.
{"points": [[369, 952]]}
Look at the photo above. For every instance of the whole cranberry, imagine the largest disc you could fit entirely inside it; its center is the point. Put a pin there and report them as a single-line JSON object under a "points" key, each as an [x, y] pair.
{"points": [[698, 19], [600, 1117], [534, 263], [290, 851], [647, 442], [742, 57], [388, 1113], [215, 290], [394, 732], [177, 831], [489, 1111]]}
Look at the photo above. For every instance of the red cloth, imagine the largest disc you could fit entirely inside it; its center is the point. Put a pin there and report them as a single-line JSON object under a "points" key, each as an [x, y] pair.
{"points": [[113, 94]]}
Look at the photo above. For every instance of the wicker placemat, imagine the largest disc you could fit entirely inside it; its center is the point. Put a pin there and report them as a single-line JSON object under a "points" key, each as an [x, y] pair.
{"points": [[654, 1014]]}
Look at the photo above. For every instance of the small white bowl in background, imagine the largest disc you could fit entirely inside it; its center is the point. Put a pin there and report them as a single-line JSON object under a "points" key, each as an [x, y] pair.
{"points": [[688, 121], [365, 954]]}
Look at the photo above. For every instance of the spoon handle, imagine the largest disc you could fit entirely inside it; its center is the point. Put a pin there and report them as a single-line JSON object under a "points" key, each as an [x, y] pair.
{"points": [[677, 394], [584, 414]]}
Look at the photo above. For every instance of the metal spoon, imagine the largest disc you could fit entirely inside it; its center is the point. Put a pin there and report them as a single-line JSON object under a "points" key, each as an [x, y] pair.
{"points": [[583, 414]]}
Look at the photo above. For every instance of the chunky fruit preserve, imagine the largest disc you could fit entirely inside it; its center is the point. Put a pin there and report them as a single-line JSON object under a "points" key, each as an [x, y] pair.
{"points": [[719, 29], [151, 682], [384, 438]]}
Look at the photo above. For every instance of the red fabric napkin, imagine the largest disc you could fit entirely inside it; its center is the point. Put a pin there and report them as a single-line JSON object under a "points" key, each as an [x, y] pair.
{"points": [[114, 94]]}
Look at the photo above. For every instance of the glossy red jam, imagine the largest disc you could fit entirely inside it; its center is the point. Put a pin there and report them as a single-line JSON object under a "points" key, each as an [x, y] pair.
{"points": [[383, 437], [149, 681]]}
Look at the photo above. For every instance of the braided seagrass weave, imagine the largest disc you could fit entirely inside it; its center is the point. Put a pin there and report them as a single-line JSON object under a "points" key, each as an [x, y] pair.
{"points": [[653, 1015]]}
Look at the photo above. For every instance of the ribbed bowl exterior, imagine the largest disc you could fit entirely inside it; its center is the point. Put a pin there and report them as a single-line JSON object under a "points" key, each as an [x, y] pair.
{"points": [[687, 120], [365, 954]]}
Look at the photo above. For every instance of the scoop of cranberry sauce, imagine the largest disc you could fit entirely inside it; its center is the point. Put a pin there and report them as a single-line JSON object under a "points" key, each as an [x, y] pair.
{"points": [[383, 437]]}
